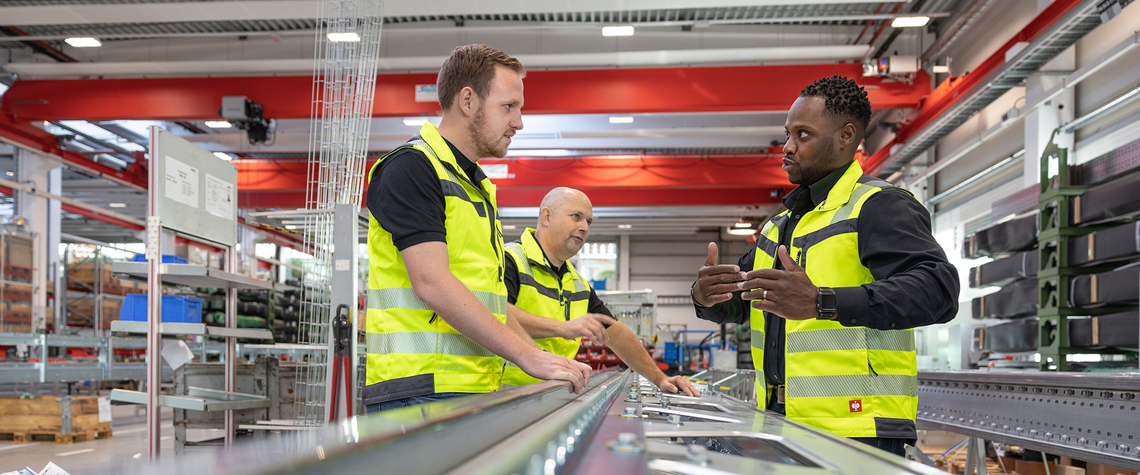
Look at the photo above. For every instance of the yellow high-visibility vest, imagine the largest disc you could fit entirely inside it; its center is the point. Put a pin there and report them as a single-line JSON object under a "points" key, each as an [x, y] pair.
{"points": [[543, 293], [853, 381], [412, 351]]}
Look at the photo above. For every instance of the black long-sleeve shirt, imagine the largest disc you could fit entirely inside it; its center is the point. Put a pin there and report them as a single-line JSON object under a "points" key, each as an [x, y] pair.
{"points": [[915, 285]]}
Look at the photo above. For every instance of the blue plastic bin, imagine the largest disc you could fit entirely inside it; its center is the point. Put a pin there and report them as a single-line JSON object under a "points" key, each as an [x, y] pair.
{"points": [[166, 259], [175, 309]]}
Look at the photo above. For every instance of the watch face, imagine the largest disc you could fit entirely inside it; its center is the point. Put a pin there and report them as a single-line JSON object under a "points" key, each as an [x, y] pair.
{"points": [[828, 302]]}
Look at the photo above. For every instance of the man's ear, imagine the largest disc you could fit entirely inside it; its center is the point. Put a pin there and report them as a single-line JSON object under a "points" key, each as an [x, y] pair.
{"points": [[544, 216], [466, 100], [847, 136]]}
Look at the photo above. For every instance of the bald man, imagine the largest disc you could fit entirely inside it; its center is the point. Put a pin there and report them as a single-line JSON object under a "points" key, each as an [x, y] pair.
{"points": [[555, 305]]}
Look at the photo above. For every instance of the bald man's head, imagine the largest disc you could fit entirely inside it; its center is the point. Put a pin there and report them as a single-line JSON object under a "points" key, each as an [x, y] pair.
{"points": [[564, 219]]}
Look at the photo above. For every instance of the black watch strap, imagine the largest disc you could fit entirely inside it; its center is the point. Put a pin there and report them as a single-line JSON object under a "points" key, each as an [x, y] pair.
{"points": [[826, 304]]}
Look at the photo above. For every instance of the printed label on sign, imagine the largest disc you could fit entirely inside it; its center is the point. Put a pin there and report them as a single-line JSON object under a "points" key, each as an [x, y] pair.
{"points": [[104, 409], [181, 182], [426, 93], [219, 197], [856, 405], [497, 171]]}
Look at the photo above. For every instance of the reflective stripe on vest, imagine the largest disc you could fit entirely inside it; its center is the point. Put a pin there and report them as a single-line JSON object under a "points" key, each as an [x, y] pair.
{"points": [[425, 343], [829, 367], [393, 298]]}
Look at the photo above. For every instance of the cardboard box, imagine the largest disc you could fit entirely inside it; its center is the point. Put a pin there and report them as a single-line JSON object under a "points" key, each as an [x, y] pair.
{"points": [[85, 272], [23, 419], [16, 250], [80, 311]]}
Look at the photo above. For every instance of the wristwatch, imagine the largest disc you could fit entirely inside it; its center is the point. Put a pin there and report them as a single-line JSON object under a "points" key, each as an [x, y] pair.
{"points": [[826, 303]]}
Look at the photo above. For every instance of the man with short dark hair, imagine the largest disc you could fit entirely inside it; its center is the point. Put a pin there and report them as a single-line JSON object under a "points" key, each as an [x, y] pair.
{"points": [[437, 306], [836, 282]]}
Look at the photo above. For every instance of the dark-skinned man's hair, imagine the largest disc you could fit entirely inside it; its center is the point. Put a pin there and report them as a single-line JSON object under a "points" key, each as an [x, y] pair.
{"points": [[843, 99]]}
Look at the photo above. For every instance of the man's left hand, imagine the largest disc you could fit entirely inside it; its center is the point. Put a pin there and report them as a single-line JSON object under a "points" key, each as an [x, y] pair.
{"points": [[787, 293], [678, 384]]}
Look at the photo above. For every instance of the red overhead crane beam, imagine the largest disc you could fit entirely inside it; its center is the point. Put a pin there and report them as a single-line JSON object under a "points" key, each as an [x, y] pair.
{"points": [[953, 90], [607, 91], [609, 180]]}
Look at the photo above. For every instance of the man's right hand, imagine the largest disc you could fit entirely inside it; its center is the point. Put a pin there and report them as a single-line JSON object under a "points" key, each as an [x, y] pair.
{"points": [[550, 366], [716, 283], [590, 325]]}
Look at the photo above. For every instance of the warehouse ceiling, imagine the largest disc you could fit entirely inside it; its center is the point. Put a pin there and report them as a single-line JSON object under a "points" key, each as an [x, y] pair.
{"points": [[222, 38]]}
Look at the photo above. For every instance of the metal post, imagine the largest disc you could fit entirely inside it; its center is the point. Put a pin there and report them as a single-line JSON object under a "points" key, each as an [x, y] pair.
{"points": [[154, 305], [345, 291], [231, 322]]}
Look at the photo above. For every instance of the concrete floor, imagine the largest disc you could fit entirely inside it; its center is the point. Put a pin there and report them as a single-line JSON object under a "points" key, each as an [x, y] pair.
{"points": [[111, 455]]}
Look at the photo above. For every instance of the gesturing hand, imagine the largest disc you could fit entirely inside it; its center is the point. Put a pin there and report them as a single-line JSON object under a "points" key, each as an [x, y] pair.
{"points": [[787, 293], [590, 325], [716, 283]]}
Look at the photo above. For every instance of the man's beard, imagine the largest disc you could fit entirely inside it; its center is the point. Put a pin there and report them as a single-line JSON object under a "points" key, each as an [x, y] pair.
{"points": [[820, 167], [483, 147]]}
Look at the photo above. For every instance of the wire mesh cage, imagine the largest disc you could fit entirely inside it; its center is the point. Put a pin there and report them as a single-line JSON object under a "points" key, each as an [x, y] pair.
{"points": [[344, 82], [637, 309]]}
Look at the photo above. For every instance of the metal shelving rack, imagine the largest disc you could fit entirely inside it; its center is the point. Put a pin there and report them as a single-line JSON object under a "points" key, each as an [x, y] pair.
{"points": [[194, 193], [1054, 274]]}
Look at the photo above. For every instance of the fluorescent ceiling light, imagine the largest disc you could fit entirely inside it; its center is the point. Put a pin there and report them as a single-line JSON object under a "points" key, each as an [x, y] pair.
{"points": [[224, 156], [742, 225], [218, 124], [625, 226], [910, 21], [86, 42], [624, 30], [621, 120], [509, 226], [741, 232], [117, 205], [348, 37], [940, 69], [415, 122]]}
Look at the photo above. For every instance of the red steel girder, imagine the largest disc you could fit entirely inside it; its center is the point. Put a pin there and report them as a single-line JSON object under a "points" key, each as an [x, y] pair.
{"points": [[609, 180], [955, 89], [622, 91], [25, 135]]}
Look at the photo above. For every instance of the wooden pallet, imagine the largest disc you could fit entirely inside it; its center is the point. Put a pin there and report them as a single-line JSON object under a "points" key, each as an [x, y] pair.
{"points": [[54, 437]]}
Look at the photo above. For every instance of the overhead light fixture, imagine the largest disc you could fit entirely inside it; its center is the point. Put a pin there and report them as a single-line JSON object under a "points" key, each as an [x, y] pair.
{"points": [[10, 173], [940, 69], [509, 226], [348, 37], [623, 30], [741, 231], [224, 156], [910, 21], [625, 226], [84, 42], [117, 205], [218, 124], [415, 122], [621, 120], [742, 224]]}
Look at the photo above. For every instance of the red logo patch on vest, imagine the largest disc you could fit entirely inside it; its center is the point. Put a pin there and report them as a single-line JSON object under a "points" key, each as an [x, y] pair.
{"points": [[856, 405]]}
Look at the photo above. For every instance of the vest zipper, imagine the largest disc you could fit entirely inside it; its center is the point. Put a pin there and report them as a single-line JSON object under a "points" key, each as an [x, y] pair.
{"points": [[433, 317], [872, 368], [495, 243]]}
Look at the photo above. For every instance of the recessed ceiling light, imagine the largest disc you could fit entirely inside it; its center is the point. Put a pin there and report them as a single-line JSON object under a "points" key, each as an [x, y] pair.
{"points": [[224, 156], [348, 37], [742, 224], [117, 205], [621, 120], [415, 121], [623, 30], [910, 21], [741, 231], [218, 124], [625, 226], [509, 226], [85, 42]]}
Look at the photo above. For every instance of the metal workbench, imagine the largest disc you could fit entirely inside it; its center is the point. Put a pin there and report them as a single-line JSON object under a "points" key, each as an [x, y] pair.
{"points": [[617, 425]]}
